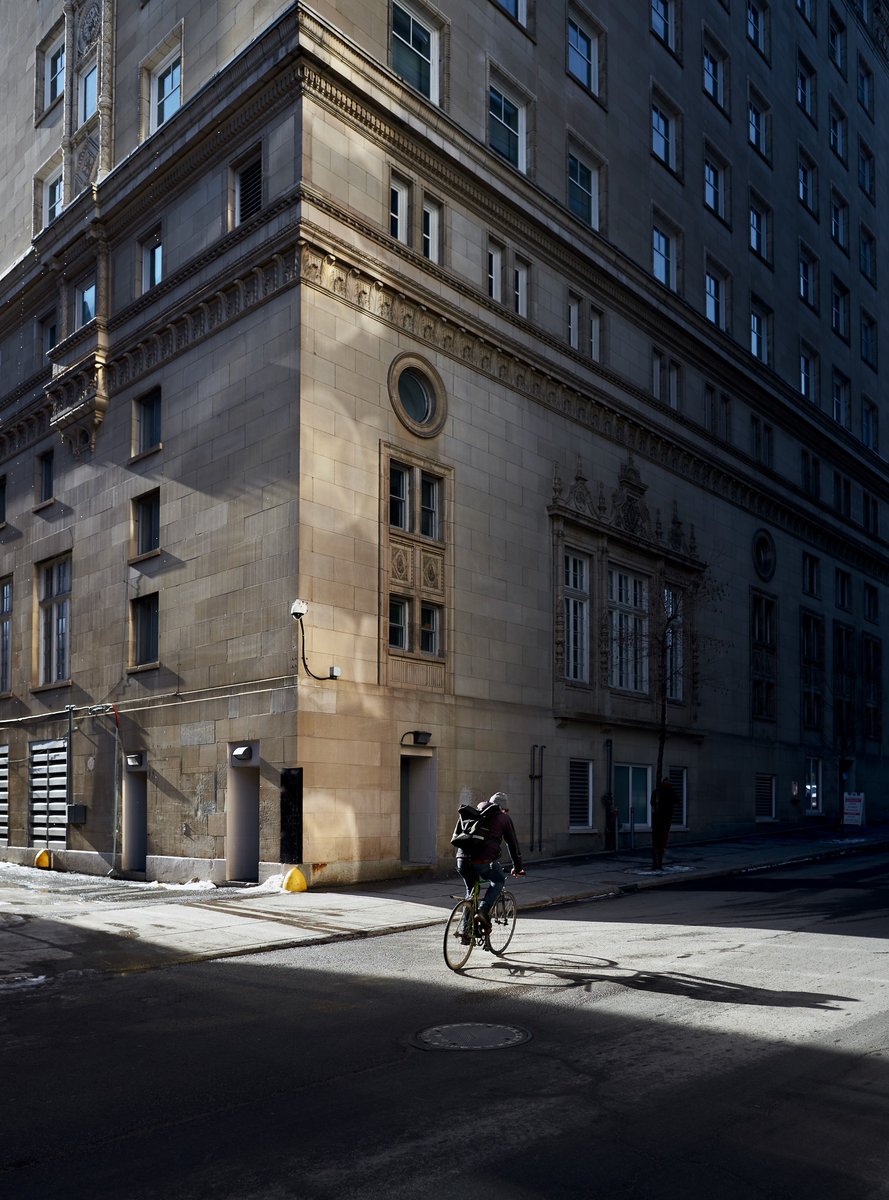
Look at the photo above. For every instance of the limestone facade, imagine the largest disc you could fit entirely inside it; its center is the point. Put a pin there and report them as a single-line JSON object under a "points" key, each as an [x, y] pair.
{"points": [[536, 354]]}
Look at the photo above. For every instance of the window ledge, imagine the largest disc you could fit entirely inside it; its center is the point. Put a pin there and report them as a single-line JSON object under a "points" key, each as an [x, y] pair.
{"points": [[50, 687], [582, 829], [138, 558], [140, 667], [44, 504], [134, 458]]}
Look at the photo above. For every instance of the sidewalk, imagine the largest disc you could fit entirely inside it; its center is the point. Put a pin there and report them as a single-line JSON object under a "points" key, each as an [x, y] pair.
{"points": [[54, 925]]}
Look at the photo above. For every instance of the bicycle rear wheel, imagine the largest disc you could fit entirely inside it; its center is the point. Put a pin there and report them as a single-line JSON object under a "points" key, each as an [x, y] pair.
{"points": [[502, 923], [456, 951]]}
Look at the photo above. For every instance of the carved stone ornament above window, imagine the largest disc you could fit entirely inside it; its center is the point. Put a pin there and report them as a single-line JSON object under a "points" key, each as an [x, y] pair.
{"points": [[88, 32], [624, 512], [764, 554]]}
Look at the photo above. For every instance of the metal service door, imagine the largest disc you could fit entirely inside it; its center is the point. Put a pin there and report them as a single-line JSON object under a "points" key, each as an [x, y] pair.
{"points": [[48, 791]]}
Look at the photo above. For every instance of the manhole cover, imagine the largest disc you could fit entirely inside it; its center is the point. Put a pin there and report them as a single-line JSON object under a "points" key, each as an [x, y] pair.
{"points": [[471, 1036]]}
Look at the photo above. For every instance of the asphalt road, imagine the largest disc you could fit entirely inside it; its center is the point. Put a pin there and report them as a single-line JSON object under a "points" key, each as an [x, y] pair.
{"points": [[724, 1039]]}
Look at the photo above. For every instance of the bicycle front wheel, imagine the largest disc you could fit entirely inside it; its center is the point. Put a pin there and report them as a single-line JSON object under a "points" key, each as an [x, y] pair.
{"points": [[458, 936], [502, 923]]}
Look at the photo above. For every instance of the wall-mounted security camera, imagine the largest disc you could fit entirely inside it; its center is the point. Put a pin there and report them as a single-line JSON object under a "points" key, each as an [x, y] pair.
{"points": [[298, 609]]}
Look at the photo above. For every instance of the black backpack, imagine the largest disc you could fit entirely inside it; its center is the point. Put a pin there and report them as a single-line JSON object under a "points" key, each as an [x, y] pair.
{"points": [[471, 828]]}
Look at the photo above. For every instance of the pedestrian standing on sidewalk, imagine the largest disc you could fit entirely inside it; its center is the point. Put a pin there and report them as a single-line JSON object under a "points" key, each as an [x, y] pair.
{"points": [[663, 799]]}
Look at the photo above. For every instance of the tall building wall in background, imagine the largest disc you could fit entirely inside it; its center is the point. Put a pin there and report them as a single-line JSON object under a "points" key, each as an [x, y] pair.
{"points": [[536, 352]]}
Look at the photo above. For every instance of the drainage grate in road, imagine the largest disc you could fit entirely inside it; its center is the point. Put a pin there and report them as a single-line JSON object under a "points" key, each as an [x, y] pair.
{"points": [[471, 1036]]}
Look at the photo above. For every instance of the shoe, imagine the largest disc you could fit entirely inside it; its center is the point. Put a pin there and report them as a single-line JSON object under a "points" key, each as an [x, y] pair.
{"points": [[483, 919], [466, 938]]}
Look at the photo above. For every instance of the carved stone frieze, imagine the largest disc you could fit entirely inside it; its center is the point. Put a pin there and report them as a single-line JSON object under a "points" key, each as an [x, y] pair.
{"points": [[88, 28], [401, 564]]}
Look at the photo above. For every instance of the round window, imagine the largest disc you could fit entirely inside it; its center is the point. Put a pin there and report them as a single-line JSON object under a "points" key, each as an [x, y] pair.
{"points": [[417, 395]]}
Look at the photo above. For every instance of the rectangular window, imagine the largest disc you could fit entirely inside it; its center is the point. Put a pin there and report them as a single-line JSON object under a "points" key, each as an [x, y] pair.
{"points": [[506, 127], [577, 617], [399, 623], [628, 622], [87, 93], [415, 500], [55, 613], [758, 124], [431, 230], [811, 474], [662, 257], [811, 575], [836, 40], [842, 494], [805, 86], [845, 678], [580, 795], [85, 297], [515, 8], [595, 331], [45, 480], [812, 670], [495, 271], [248, 190], [575, 311], [415, 51], [663, 135], [843, 590], [583, 56], [521, 280], [583, 191], [867, 254], [808, 373], [866, 87], [867, 170], [870, 513], [870, 425], [808, 277], [663, 21], [715, 183], [839, 309], [764, 656], [808, 182], [869, 340], [760, 339], [52, 198], [757, 22], [838, 131], [147, 422], [144, 616], [430, 506], [5, 634], [399, 210], [841, 397], [714, 75], [147, 523], [152, 260], [714, 297], [839, 220], [871, 603], [674, 644], [166, 91], [430, 629], [763, 441], [54, 72], [759, 227]]}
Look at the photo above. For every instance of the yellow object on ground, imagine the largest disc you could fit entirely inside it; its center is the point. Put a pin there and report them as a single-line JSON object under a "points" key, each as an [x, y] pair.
{"points": [[295, 881], [43, 858]]}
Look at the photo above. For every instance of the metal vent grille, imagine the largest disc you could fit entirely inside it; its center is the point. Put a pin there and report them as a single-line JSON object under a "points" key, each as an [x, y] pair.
{"points": [[48, 790], [249, 190]]}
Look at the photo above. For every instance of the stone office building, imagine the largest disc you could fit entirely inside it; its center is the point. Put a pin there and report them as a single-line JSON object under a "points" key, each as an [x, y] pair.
{"points": [[402, 401]]}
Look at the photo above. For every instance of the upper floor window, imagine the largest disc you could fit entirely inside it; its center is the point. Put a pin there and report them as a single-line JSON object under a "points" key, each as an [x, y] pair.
{"points": [[715, 296], [839, 220], [808, 182], [663, 257], [399, 209], [583, 55], [415, 500], [837, 129], [52, 197], [516, 8], [144, 631], [805, 86], [715, 184], [248, 188], [577, 616], [870, 427], [147, 422], [836, 40], [758, 124], [663, 21], [841, 395], [583, 190], [839, 308], [521, 286], [5, 634], [811, 575], [869, 339], [431, 232], [715, 71], [865, 87], [85, 295], [808, 373], [664, 134], [45, 480], [415, 50], [760, 331], [506, 126], [87, 93], [166, 90], [867, 254], [759, 220], [867, 171], [628, 620], [152, 248], [146, 523], [54, 72], [757, 24]]}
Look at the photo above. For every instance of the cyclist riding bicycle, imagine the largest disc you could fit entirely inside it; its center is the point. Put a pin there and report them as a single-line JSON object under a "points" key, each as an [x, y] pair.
{"points": [[481, 863]]}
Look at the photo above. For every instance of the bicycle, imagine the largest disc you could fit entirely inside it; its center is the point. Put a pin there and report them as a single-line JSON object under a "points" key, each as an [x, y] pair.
{"points": [[462, 931]]}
